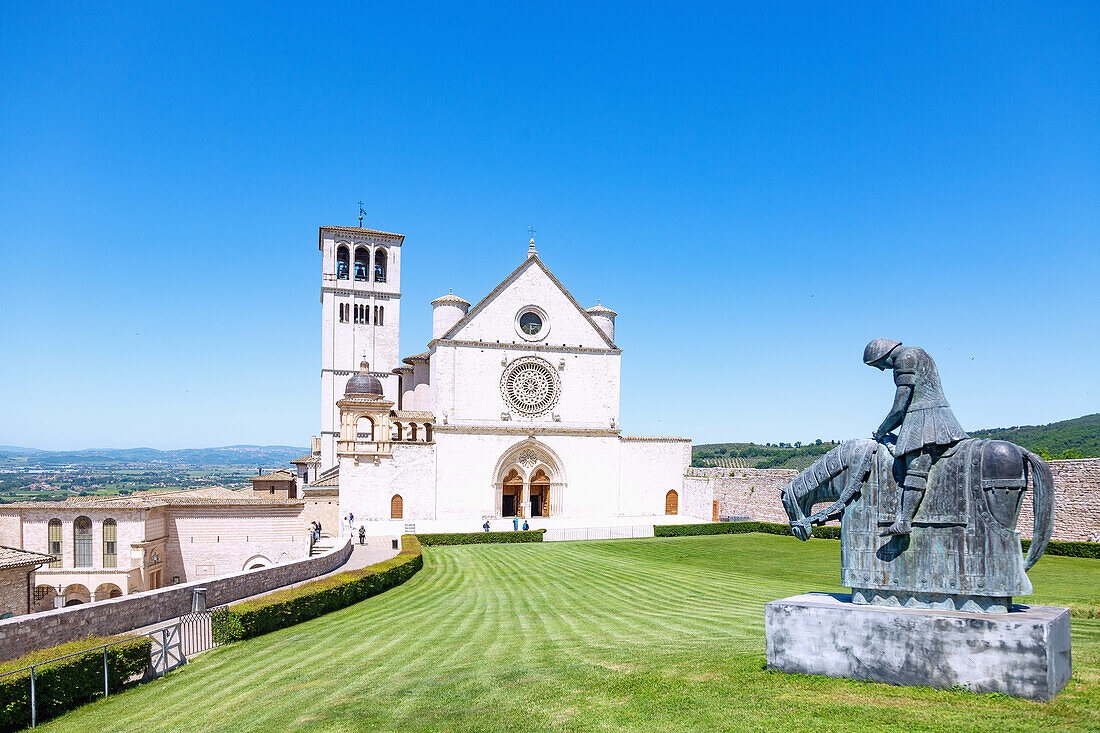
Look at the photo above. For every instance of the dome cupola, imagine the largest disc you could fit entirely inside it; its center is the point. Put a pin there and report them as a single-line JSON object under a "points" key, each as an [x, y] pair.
{"points": [[363, 384]]}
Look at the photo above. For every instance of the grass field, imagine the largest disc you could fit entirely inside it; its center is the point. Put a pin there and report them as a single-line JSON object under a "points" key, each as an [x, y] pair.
{"points": [[662, 635]]}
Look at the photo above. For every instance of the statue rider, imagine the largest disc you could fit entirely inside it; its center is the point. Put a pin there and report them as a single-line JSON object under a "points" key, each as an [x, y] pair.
{"points": [[927, 427]]}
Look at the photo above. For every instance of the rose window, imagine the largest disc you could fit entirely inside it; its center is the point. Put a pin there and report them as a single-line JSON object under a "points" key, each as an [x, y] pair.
{"points": [[530, 386]]}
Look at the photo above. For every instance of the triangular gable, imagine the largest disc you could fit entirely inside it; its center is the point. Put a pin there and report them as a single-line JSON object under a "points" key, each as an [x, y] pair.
{"points": [[531, 261]]}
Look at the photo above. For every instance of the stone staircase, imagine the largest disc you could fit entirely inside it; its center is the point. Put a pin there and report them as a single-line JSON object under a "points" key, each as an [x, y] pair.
{"points": [[323, 545]]}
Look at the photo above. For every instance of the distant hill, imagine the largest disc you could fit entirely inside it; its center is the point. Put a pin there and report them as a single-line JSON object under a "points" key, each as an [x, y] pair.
{"points": [[1076, 438], [230, 455]]}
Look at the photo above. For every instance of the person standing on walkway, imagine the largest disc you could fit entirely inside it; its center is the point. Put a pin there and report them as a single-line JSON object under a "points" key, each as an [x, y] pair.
{"points": [[526, 526], [515, 524], [362, 535], [486, 525]]}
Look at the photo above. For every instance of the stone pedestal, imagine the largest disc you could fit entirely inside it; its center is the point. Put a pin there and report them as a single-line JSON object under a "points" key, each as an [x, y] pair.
{"points": [[1025, 653]]}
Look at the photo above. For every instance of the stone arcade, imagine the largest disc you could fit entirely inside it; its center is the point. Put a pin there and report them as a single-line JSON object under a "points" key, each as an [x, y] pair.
{"points": [[512, 412]]}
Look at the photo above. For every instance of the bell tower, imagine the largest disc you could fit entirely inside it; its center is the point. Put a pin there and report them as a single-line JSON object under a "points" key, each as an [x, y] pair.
{"points": [[360, 317]]}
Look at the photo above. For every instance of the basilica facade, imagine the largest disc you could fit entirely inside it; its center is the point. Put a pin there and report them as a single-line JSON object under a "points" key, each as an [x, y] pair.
{"points": [[512, 411]]}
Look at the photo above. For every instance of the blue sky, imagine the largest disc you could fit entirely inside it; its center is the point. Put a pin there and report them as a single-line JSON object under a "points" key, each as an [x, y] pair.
{"points": [[758, 192]]}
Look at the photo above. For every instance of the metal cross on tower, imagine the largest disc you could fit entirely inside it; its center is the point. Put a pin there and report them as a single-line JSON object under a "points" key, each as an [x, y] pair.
{"points": [[531, 231], [361, 214]]}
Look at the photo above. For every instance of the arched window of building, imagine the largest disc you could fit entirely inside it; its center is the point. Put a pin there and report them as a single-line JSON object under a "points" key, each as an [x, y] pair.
{"points": [[55, 542], [672, 502], [82, 543], [342, 263], [364, 428], [362, 263], [412, 431], [427, 432], [110, 543], [397, 507], [396, 433], [380, 265], [380, 316]]}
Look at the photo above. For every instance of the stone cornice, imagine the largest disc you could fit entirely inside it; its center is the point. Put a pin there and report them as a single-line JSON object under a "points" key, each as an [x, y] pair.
{"points": [[524, 347], [357, 233], [656, 439], [530, 430], [351, 292]]}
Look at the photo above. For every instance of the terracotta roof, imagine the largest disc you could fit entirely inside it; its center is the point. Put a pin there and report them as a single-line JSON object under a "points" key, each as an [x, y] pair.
{"points": [[450, 298], [413, 415], [211, 495], [12, 557], [402, 368], [312, 458], [601, 309], [332, 479], [281, 474], [423, 356], [360, 231]]}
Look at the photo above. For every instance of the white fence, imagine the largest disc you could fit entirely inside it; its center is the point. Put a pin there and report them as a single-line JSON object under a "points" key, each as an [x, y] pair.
{"points": [[598, 533]]}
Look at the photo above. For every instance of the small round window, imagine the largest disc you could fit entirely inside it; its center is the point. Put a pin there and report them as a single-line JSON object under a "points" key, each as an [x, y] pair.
{"points": [[530, 323]]}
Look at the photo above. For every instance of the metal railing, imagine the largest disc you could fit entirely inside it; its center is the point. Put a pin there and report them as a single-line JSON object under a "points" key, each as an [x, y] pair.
{"points": [[598, 533], [172, 646]]}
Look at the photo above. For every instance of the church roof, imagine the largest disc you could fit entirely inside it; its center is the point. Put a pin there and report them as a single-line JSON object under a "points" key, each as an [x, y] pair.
{"points": [[423, 356], [311, 458], [601, 309], [532, 259], [206, 496], [13, 557], [330, 479], [356, 231], [450, 298], [281, 474]]}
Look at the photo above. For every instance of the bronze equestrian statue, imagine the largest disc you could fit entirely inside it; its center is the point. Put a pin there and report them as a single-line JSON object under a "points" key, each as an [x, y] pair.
{"points": [[931, 521]]}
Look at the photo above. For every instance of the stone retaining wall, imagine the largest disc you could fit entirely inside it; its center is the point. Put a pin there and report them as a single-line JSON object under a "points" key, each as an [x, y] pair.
{"points": [[754, 493], [24, 634]]}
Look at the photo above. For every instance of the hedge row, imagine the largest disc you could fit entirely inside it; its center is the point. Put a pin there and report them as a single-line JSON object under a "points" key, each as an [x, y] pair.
{"points": [[294, 605], [1070, 549], [69, 683], [480, 538], [686, 530], [1065, 549]]}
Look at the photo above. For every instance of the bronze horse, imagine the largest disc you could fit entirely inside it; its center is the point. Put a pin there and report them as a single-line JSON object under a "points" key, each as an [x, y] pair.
{"points": [[964, 552]]}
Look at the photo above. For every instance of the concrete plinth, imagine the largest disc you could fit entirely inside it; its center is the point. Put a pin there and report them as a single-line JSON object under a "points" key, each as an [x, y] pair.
{"points": [[1025, 653]]}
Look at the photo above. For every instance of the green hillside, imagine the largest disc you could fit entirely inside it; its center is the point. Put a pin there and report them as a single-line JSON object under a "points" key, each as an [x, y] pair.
{"points": [[1076, 438]]}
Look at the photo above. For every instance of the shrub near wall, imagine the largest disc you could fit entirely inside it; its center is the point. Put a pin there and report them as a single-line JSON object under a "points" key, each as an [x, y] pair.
{"points": [[480, 538], [1065, 549], [67, 684], [295, 605]]}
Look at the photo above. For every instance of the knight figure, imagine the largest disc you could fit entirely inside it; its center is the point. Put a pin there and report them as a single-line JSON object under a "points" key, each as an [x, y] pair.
{"points": [[926, 426]]}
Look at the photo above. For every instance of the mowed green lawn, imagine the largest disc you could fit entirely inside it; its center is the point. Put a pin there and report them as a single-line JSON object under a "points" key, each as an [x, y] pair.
{"points": [[660, 634]]}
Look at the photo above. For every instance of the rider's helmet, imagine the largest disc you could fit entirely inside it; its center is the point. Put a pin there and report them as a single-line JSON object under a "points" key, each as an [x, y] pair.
{"points": [[877, 350]]}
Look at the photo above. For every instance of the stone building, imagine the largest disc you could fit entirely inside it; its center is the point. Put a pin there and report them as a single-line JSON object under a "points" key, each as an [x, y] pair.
{"points": [[512, 411], [17, 580], [103, 547], [279, 484]]}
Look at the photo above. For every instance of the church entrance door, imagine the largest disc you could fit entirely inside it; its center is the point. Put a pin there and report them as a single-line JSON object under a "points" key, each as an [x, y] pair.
{"points": [[508, 508]]}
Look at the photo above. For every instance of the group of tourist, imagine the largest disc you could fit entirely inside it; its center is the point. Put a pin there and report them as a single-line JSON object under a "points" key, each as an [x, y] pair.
{"points": [[315, 531], [515, 525]]}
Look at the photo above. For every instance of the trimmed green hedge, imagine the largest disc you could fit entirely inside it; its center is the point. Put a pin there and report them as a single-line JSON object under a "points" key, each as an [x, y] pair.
{"points": [[1065, 549], [67, 684], [1070, 549], [689, 530], [295, 605], [480, 538]]}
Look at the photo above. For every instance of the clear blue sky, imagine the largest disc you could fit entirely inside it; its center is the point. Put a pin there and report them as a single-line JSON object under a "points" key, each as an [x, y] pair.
{"points": [[757, 191]]}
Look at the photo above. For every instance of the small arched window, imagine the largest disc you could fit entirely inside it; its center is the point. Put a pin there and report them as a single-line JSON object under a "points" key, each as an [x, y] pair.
{"points": [[364, 428], [412, 431], [380, 265], [342, 257], [427, 432], [110, 543], [397, 507], [396, 431], [362, 263], [55, 542], [82, 542], [380, 316]]}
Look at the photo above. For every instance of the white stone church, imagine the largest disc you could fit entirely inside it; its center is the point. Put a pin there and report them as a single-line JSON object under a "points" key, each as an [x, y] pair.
{"points": [[511, 412]]}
